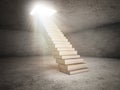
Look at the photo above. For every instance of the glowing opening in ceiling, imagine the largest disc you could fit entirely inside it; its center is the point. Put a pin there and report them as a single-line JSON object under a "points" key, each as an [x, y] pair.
{"points": [[43, 11]]}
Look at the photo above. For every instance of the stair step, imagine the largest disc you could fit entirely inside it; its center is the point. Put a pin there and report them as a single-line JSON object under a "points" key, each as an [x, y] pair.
{"points": [[66, 52], [57, 42], [58, 47], [62, 40], [70, 61], [61, 48], [55, 33], [74, 71], [72, 67], [58, 37], [69, 57], [63, 45], [65, 48], [65, 41], [53, 30]]}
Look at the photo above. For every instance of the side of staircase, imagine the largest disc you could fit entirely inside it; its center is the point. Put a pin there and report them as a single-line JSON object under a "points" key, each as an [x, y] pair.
{"points": [[67, 57]]}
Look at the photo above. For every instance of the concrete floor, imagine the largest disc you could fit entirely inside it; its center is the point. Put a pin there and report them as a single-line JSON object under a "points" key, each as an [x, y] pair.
{"points": [[41, 73]]}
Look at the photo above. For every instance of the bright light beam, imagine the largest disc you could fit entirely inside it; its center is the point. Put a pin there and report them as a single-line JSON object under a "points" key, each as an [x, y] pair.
{"points": [[43, 11]]}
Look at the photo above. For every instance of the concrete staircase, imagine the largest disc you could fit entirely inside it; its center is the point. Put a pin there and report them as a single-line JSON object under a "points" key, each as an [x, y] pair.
{"points": [[66, 56]]}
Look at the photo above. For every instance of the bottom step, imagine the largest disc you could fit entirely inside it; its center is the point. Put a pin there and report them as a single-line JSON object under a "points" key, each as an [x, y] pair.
{"points": [[73, 66], [73, 72]]}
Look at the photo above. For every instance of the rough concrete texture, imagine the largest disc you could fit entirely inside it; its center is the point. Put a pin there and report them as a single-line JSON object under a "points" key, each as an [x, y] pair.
{"points": [[102, 41], [41, 73], [72, 15], [22, 43], [76, 15]]}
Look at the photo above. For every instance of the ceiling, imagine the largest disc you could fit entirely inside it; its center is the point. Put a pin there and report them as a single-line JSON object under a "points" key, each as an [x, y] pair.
{"points": [[72, 16]]}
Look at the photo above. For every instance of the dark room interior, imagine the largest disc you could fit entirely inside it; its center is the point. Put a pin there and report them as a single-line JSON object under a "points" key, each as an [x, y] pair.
{"points": [[31, 57]]}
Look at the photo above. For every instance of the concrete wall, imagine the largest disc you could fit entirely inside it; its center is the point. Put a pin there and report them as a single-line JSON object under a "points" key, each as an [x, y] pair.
{"points": [[102, 41], [22, 43]]}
